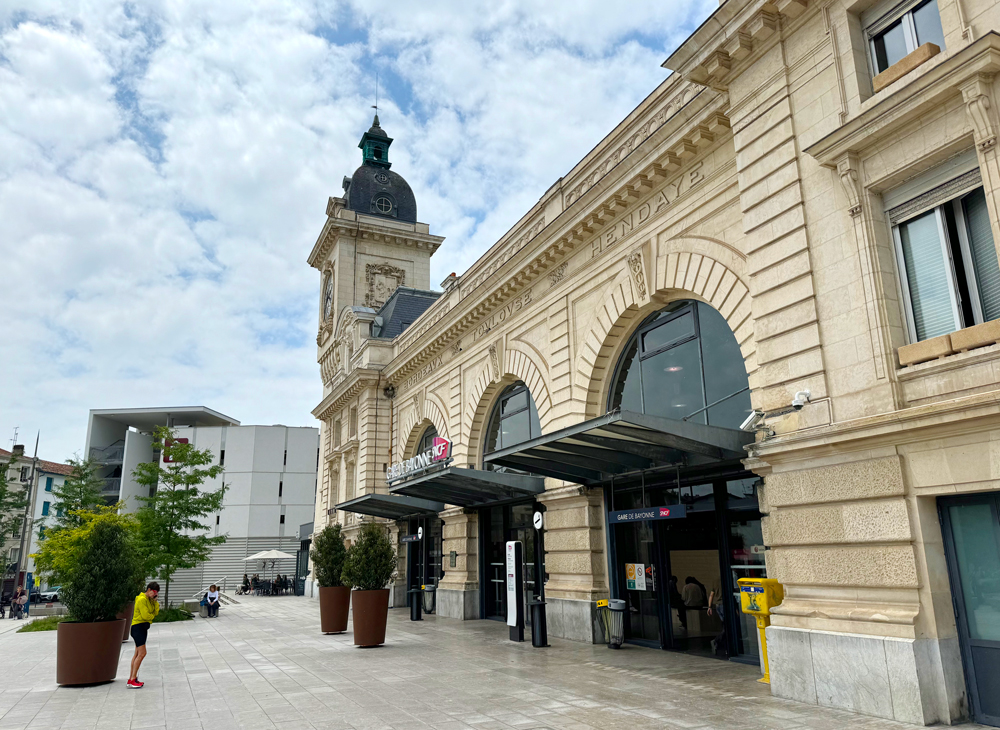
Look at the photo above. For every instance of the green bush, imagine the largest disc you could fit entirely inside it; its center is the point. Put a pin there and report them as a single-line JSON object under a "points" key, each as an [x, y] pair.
{"points": [[328, 556], [169, 615], [106, 565], [371, 562], [46, 623]]}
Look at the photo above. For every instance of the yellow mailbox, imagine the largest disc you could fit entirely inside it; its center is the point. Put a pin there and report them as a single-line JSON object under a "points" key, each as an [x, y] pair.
{"points": [[757, 597]]}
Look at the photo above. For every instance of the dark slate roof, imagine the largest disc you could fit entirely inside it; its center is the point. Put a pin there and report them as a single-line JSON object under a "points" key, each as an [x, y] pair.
{"points": [[401, 310], [370, 182]]}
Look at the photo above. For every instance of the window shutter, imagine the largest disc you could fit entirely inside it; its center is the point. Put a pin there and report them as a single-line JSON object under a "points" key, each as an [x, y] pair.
{"points": [[927, 276], [984, 253]]}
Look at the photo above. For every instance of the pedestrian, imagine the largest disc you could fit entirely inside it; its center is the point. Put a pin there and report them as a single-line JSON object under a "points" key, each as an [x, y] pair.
{"points": [[213, 601], [692, 593], [20, 600], [720, 644], [146, 608]]}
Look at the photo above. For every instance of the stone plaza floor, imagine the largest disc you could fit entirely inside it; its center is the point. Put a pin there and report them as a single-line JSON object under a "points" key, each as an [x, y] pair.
{"points": [[263, 664]]}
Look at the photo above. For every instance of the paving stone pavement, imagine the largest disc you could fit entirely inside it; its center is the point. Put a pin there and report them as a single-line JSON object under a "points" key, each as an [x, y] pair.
{"points": [[263, 664]]}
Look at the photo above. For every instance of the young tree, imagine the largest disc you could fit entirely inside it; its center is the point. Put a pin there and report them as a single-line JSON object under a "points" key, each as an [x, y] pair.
{"points": [[171, 520], [81, 492], [13, 500]]}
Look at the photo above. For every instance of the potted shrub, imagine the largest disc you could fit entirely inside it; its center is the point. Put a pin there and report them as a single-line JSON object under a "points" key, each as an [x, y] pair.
{"points": [[328, 555], [99, 574], [368, 568]]}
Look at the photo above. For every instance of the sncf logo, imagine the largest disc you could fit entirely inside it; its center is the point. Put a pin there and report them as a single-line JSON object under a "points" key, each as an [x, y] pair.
{"points": [[441, 449], [664, 511]]}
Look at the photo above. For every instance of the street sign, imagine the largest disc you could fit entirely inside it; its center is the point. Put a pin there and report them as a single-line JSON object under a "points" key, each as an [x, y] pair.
{"points": [[673, 512], [410, 538], [538, 520]]}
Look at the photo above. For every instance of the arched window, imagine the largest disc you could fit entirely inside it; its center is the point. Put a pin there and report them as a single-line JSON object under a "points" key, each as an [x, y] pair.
{"points": [[680, 360], [427, 439], [514, 419]]}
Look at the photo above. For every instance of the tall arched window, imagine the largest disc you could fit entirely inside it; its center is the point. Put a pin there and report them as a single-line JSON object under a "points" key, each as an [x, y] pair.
{"points": [[514, 419], [680, 360], [426, 439]]}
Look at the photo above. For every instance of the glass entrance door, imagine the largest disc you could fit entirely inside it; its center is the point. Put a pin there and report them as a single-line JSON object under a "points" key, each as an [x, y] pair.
{"points": [[971, 527], [638, 549], [501, 524]]}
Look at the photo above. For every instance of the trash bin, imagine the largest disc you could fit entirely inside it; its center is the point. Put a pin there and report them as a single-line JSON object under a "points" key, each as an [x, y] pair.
{"points": [[616, 623], [203, 610], [539, 630], [416, 599], [429, 599]]}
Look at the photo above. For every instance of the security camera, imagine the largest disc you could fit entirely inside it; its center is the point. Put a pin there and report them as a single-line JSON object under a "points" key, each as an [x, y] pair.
{"points": [[800, 399], [751, 422]]}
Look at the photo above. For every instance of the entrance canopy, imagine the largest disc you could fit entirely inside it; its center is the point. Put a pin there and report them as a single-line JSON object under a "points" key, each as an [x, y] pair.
{"points": [[470, 487], [619, 442], [390, 506]]}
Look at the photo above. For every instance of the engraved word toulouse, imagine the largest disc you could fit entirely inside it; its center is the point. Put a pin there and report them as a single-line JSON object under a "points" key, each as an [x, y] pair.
{"points": [[639, 216]]}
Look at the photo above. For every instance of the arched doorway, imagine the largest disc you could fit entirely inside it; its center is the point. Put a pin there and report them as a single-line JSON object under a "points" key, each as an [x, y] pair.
{"points": [[678, 576], [513, 420], [424, 566]]}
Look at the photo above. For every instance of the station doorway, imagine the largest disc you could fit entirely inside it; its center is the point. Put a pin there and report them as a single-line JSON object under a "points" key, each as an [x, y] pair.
{"points": [[503, 523], [678, 576]]}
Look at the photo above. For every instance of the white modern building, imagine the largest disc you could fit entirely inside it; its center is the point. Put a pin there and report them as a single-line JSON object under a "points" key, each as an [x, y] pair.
{"points": [[270, 478]]}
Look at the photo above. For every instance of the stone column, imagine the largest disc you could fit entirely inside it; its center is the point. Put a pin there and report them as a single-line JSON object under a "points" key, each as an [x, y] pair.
{"points": [[458, 591], [977, 93], [574, 560]]}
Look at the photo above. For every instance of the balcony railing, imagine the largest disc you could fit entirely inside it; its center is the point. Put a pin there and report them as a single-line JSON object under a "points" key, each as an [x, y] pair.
{"points": [[112, 454], [112, 485]]}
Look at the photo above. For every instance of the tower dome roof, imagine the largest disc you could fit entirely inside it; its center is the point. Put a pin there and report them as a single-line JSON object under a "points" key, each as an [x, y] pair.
{"points": [[374, 189]]}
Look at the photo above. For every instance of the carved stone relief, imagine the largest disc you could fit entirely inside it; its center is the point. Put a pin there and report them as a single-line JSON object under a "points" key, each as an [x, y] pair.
{"points": [[638, 273], [977, 103], [494, 362], [381, 280]]}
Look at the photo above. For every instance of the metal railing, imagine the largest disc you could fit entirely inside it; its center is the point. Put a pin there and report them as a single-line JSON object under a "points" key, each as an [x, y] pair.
{"points": [[111, 484], [221, 585], [109, 454]]}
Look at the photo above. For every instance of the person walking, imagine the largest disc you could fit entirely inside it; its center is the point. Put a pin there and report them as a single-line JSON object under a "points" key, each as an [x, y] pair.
{"points": [[213, 601], [146, 608], [19, 602]]}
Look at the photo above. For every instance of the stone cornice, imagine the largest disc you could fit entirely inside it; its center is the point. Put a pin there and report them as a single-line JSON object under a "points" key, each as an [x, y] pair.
{"points": [[969, 414], [370, 228], [885, 118], [735, 35], [352, 385], [671, 148]]}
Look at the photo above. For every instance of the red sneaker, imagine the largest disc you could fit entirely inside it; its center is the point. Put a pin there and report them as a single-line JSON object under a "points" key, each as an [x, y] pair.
{"points": [[134, 684]]}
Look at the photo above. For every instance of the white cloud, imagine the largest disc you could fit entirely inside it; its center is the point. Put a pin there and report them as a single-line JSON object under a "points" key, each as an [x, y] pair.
{"points": [[166, 166]]}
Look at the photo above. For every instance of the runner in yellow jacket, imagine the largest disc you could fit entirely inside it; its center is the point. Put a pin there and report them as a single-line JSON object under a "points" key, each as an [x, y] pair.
{"points": [[146, 608]]}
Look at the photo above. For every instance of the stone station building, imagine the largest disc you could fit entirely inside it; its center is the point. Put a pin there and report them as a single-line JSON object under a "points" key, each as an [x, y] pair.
{"points": [[795, 232]]}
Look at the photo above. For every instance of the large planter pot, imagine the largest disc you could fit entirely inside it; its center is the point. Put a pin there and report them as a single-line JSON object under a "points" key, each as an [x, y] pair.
{"points": [[334, 609], [127, 613], [88, 653], [371, 611]]}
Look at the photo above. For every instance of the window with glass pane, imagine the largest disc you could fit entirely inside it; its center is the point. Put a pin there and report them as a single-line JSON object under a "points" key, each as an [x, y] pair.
{"points": [[427, 439], [694, 362], [892, 42], [949, 268], [514, 419]]}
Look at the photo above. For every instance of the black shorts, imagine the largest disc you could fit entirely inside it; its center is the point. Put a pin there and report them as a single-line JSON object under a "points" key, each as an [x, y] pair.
{"points": [[139, 632]]}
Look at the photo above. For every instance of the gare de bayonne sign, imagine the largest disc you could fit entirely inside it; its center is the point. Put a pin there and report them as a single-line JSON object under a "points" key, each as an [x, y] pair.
{"points": [[439, 452]]}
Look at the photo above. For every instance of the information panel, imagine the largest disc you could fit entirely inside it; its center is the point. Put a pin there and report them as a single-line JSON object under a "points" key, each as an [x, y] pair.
{"points": [[673, 512]]}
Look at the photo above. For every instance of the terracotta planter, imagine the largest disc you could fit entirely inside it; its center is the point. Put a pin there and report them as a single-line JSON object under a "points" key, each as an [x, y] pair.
{"points": [[371, 611], [127, 613], [88, 653], [334, 609]]}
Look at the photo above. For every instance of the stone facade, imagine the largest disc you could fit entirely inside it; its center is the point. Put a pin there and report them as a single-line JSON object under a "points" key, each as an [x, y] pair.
{"points": [[754, 179]]}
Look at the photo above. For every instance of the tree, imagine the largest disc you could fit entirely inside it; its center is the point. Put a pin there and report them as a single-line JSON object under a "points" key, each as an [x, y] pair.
{"points": [[81, 492], [328, 556], [62, 551], [13, 499], [102, 569], [171, 520], [371, 561]]}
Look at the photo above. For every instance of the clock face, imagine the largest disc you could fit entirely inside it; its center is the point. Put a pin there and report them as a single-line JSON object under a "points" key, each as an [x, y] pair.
{"points": [[328, 298]]}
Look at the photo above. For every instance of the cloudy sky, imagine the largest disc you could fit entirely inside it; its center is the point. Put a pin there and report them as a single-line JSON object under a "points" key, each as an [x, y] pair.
{"points": [[165, 166]]}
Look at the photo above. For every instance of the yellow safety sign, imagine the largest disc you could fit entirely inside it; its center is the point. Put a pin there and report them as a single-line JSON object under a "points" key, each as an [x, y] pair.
{"points": [[757, 597]]}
